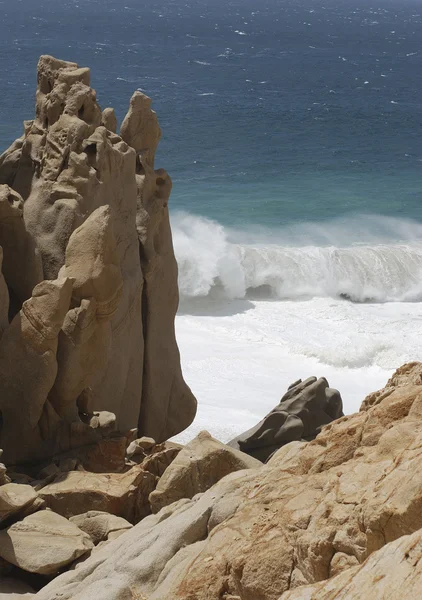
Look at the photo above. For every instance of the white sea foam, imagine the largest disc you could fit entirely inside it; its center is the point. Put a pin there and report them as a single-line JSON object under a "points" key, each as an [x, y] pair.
{"points": [[309, 261], [261, 308], [240, 357]]}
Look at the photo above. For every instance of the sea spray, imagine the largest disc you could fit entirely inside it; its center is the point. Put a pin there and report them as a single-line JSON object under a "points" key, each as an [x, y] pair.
{"points": [[303, 261]]}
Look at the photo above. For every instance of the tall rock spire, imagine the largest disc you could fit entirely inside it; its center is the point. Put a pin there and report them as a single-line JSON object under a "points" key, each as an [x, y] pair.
{"points": [[90, 209]]}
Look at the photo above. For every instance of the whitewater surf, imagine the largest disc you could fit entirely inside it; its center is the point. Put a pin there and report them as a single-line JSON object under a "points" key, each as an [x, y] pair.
{"points": [[262, 308]]}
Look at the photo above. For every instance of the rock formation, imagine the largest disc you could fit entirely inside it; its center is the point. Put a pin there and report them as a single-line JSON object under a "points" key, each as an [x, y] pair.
{"points": [[89, 361], [101, 526], [317, 510], [201, 464], [392, 573], [305, 408], [14, 499], [163, 389], [122, 494], [43, 543], [88, 287]]}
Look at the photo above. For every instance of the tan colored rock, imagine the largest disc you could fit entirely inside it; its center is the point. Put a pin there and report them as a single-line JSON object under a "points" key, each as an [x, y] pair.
{"points": [[99, 170], [315, 509], [135, 563], [43, 543], [158, 461], [28, 371], [85, 341], [100, 526], [197, 467], [28, 368], [121, 494], [109, 120], [404, 376], [14, 498], [54, 345], [140, 128], [139, 446], [168, 405], [76, 200], [392, 573]]}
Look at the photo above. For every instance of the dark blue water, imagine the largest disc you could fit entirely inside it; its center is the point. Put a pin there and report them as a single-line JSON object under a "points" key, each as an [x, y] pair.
{"points": [[273, 111]]}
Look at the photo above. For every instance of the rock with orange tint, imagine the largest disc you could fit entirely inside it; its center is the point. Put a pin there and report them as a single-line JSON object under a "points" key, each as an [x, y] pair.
{"points": [[394, 572], [316, 510]]}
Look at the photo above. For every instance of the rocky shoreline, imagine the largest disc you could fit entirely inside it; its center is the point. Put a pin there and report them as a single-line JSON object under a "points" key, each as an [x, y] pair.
{"points": [[95, 501]]}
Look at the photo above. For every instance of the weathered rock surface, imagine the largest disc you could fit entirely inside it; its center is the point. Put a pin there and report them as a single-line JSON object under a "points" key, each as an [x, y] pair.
{"points": [[121, 494], [305, 408], [28, 367], [43, 543], [140, 446], [314, 511], [14, 498], [405, 375], [197, 467], [166, 400], [100, 526], [158, 461], [132, 565], [93, 264], [392, 573], [89, 277]]}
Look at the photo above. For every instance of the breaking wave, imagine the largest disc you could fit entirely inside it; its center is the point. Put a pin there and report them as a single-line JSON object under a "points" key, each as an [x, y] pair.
{"points": [[310, 260]]}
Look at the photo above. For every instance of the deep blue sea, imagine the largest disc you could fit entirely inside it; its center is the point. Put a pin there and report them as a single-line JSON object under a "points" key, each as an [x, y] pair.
{"points": [[273, 111], [292, 130]]}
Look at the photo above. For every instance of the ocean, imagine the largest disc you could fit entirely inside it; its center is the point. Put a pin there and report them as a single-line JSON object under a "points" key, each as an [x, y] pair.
{"points": [[292, 131]]}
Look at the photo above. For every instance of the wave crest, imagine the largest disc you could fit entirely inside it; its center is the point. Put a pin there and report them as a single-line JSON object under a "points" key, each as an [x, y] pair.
{"points": [[300, 262]]}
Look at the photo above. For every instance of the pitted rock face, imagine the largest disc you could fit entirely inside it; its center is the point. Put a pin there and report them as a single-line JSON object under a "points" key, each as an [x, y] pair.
{"points": [[80, 203]]}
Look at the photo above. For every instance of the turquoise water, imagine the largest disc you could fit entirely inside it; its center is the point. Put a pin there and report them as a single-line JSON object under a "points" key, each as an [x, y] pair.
{"points": [[273, 112]]}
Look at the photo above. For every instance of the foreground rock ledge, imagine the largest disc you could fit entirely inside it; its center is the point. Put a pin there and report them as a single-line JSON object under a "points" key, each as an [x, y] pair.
{"points": [[317, 510], [392, 573]]}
